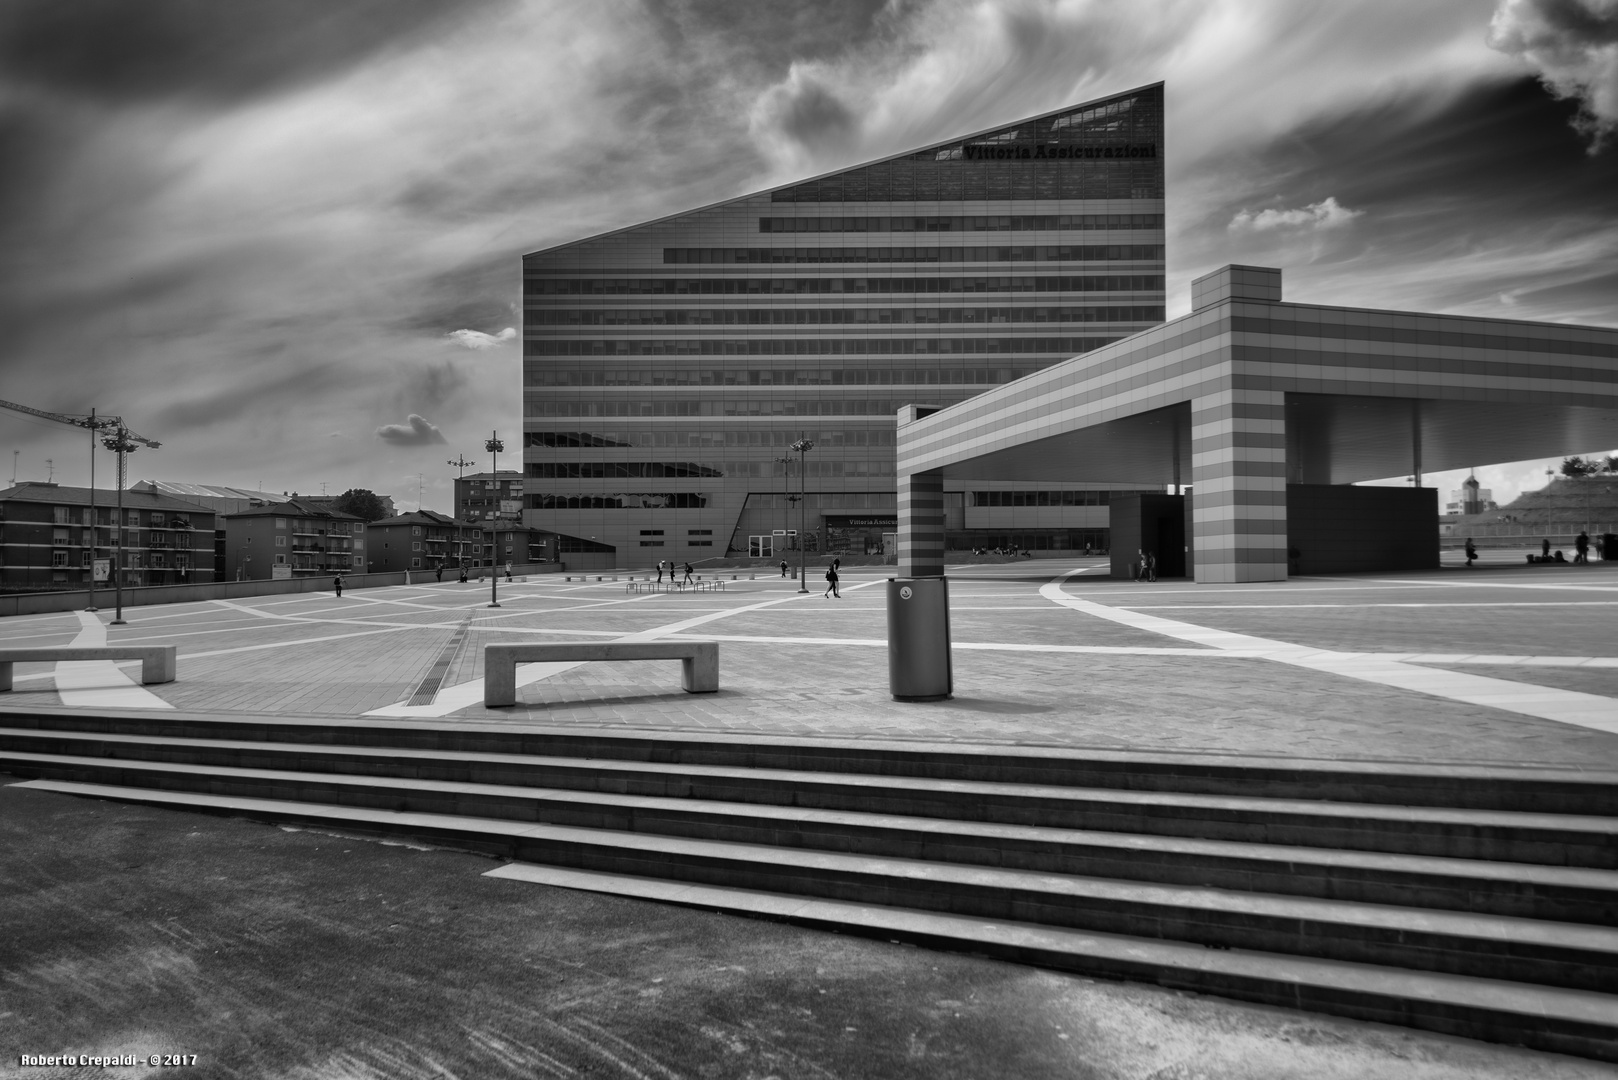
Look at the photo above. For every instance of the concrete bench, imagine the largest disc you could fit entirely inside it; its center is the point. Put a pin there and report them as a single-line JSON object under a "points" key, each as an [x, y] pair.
{"points": [[157, 662], [699, 670]]}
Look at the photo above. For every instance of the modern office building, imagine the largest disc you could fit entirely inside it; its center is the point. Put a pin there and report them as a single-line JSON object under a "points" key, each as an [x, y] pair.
{"points": [[669, 368]]}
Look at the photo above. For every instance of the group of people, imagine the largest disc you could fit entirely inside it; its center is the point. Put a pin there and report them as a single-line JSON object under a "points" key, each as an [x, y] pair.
{"points": [[1144, 568], [673, 570], [1581, 551]]}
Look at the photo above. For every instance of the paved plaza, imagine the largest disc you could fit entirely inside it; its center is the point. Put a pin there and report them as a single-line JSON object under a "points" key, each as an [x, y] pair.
{"points": [[1502, 663]]}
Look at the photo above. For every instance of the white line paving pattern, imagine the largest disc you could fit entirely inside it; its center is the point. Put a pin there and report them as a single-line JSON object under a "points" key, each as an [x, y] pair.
{"points": [[363, 653]]}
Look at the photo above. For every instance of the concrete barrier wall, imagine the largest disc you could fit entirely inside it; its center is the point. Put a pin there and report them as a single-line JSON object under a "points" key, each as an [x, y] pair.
{"points": [[79, 599]]}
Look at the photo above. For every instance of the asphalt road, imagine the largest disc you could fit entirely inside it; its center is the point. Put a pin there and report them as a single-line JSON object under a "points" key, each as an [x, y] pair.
{"points": [[279, 954]]}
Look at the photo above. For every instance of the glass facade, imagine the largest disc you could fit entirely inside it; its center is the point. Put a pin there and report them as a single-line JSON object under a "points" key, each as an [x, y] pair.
{"points": [[818, 310]]}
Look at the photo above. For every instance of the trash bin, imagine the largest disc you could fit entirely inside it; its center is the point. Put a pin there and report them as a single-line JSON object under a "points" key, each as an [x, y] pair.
{"points": [[1609, 547], [918, 639]]}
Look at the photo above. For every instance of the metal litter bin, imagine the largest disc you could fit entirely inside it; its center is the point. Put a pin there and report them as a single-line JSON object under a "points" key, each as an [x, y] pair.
{"points": [[919, 666], [1609, 547]]}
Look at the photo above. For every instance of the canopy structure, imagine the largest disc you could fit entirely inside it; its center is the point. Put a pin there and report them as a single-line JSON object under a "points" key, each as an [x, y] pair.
{"points": [[1248, 395]]}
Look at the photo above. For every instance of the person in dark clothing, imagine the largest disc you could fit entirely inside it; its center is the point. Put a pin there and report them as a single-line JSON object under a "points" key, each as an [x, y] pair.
{"points": [[463, 574], [337, 583], [1545, 550], [438, 571], [687, 580], [1582, 543], [660, 571], [831, 583], [1471, 552], [783, 568]]}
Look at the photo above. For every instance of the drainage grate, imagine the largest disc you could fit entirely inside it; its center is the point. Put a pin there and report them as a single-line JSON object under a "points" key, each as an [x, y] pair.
{"points": [[427, 689]]}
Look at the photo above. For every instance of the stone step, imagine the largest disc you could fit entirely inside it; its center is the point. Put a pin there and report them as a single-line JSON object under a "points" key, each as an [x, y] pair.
{"points": [[1468, 786], [1486, 835], [1578, 957], [1542, 1018], [1564, 894]]}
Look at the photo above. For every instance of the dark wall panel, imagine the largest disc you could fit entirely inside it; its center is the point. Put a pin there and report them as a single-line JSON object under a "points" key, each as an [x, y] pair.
{"points": [[1338, 529]]}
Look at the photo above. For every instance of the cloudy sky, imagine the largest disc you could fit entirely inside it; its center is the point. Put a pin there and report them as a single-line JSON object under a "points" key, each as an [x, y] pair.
{"points": [[283, 237]]}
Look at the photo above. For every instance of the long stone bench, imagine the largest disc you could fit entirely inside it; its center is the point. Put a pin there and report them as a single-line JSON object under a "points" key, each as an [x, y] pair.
{"points": [[699, 668], [157, 662]]}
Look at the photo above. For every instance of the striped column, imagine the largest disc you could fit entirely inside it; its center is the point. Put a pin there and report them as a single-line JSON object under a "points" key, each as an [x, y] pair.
{"points": [[1239, 494], [921, 524]]}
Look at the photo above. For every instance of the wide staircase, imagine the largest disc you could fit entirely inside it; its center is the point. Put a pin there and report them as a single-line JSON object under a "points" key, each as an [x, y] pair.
{"points": [[1471, 900]]}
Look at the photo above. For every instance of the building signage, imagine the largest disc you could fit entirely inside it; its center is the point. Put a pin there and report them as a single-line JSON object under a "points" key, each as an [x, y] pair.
{"points": [[511, 506], [839, 522], [1048, 153], [101, 568]]}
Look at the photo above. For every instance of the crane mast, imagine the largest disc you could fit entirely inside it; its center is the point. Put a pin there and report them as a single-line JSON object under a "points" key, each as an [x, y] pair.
{"points": [[118, 438]]}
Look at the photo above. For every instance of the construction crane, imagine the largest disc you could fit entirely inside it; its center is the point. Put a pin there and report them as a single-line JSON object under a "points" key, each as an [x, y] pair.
{"points": [[119, 439]]}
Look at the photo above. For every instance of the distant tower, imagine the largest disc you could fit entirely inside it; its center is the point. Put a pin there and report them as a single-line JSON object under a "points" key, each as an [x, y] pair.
{"points": [[1471, 501]]}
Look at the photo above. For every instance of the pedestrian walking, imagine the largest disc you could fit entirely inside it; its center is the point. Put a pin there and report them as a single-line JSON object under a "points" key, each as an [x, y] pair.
{"points": [[1137, 569], [508, 571], [660, 571], [337, 583], [438, 571], [1582, 543], [783, 568], [1471, 553], [1151, 566], [831, 583], [687, 580]]}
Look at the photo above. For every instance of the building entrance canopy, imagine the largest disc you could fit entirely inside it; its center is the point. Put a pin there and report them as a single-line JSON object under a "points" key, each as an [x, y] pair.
{"points": [[1248, 394]]}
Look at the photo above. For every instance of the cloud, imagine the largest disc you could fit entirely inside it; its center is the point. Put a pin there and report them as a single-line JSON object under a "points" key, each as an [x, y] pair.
{"points": [[417, 431], [1573, 44], [476, 339], [1325, 214]]}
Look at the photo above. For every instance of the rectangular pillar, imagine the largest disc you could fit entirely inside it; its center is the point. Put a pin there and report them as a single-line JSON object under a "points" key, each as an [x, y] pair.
{"points": [[921, 525], [1238, 470]]}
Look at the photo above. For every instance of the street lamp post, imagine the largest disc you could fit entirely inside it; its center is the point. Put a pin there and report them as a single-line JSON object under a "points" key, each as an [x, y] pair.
{"points": [[802, 446], [493, 445], [461, 463], [119, 442], [786, 486]]}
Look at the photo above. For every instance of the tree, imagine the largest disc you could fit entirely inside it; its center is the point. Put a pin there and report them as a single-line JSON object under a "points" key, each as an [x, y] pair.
{"points": [[1577, 466], [362, 504]]}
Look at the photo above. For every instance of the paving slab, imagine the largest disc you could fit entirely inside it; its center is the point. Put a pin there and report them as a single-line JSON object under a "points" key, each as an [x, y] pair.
{"points": [[1046, 653]]}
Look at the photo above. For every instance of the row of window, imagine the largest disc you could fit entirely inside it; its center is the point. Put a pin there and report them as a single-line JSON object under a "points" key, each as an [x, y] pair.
{"points": [[676, 376], [1065, 346], [584, 470], [776, 316], [912, 180], [80, 515], [689, 500], [631, 500], [1011, 253], [961, 223], [766, 437], [569, 470], [63, 537], [132, 559], [540, 286], [724, 407], [1052, 498]]}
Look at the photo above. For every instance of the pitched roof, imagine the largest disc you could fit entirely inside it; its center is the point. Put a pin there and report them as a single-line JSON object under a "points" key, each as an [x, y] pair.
{"points": [[294, 508], [52, 494]]}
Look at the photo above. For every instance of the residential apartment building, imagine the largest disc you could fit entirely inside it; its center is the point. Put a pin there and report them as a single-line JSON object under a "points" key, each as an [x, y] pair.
{"points": [[51, 537], [485, 496], [669, 368], [422, 540], [292, 539]]}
